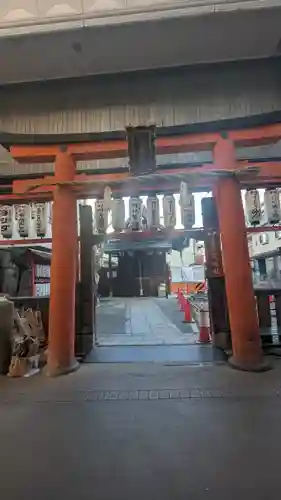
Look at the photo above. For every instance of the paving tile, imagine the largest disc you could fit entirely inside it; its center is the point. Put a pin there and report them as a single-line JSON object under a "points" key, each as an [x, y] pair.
{"points": [[134, 395], [175, 394], [113, 395], [123, 395], [143, 395], [184, 393], [153, 395], [195, 393], [164, 394]]}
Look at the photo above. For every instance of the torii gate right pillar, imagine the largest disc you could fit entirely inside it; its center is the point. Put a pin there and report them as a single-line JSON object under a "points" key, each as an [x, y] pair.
{"points": [[246, 343]]}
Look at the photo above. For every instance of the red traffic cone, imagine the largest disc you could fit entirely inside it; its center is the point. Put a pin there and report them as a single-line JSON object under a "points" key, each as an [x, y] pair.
{"points": [[182, 301], [204, 327], [187, 312]]}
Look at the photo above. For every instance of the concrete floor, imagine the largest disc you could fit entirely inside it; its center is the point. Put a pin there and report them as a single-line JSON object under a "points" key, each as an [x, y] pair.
{"points": [[169, 354], [142, 431]]}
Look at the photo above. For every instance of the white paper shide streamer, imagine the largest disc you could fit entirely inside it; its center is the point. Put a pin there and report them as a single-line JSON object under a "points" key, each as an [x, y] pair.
{"points": [[272, 205], [6, 214], [169, 209], [253, 206]]}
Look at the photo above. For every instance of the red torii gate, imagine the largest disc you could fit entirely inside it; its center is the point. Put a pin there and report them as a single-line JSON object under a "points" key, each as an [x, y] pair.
{"points": [[65, 187]]}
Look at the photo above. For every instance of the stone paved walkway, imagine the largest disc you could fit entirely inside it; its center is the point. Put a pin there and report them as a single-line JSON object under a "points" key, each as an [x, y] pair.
{"points": [[141, 322]]}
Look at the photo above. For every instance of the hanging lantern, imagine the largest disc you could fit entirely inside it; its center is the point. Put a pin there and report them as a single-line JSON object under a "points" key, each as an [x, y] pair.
{"points": [[188, 213], [23, 216], [141, 149], [135, 206], [50, 218], [17, 209], [41, 219], [107, 197], [6, 213], [33, 211], [118, 214], [101, 216], [184, 193], [253, 206], [187, 206], [272, 205], [169, 208], [153, 215]]}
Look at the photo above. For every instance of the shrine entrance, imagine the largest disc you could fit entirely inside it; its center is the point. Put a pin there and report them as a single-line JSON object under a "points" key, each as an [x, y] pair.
{"points": [[225, 177], [133, 273]]}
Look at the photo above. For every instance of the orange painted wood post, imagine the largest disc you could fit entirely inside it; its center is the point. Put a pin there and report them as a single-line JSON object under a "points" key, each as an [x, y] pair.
{"points": [[61, 358], [246, 343]]}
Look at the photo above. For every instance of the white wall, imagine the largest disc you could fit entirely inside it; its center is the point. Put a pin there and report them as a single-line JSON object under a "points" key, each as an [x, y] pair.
{"points": [[180, 268], [174, 258], [261, 243], [28, 16]]}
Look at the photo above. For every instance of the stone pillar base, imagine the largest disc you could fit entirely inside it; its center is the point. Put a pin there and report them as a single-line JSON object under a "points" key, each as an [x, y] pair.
{"points": [[56, 371], [260, 366], [221, 340]]}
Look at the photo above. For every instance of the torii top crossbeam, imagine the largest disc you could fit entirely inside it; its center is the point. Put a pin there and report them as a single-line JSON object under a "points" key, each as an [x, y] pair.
{"points": [[104, 149], [29, 150]]}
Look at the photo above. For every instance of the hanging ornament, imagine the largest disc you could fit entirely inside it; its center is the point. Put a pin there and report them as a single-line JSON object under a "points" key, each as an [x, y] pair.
{"points": [[23, 219], [6, 214], [187, 206], [118, 214], [153, 214], [272, 205], [41, 219], [135, 207], [169, 208], [253, 206], [101, 216]]}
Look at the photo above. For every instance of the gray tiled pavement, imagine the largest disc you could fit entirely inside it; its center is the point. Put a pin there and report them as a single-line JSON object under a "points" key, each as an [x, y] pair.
{"points": [[142, 322], [142, 431]]}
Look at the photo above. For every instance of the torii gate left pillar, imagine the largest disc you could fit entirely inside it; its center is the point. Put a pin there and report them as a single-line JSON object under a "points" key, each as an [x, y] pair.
{"points": [[61, 358]]}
